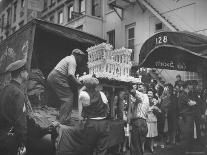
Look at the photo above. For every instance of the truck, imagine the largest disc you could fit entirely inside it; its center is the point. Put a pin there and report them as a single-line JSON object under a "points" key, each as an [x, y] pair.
{"points": [[43, 45]]}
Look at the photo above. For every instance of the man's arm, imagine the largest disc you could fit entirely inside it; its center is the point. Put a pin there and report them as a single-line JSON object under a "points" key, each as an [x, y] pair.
{"points": [[71, 72]]}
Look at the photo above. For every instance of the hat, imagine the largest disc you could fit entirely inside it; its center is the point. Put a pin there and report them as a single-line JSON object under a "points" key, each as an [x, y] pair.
{"points": [[91, 82], [78, 51], [178, 75], [15, 65]]}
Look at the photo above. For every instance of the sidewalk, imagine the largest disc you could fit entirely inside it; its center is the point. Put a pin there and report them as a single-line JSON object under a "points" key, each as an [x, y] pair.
{"points": [[178, 149]]}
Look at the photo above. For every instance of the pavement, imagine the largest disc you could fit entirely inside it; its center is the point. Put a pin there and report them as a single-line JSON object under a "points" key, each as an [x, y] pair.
{"points": [[177, 149]]}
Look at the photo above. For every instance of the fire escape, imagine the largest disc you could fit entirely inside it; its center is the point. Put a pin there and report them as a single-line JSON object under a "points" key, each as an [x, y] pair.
{"points": [[144, 4]]}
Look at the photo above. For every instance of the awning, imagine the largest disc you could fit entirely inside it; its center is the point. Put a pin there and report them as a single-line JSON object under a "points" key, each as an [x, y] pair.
{"points": [[175, 51]]}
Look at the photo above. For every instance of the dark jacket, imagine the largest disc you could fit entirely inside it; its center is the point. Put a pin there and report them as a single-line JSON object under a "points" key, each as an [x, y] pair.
{"points": [[97, 107], [13, 110], [184, 107], [197, 109]]}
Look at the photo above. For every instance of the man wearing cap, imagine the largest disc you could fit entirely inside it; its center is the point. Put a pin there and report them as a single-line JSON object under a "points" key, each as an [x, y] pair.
{"points": [[186, 112], [93, 135], [178, 81], [63, 82], [13, 126]]}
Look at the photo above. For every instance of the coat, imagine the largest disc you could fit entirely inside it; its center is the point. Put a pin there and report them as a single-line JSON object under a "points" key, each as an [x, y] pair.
{"points": [[13, 111]]}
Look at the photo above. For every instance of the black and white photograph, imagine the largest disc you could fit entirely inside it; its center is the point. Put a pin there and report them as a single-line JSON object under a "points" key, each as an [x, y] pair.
{"points": [[103, 77]]}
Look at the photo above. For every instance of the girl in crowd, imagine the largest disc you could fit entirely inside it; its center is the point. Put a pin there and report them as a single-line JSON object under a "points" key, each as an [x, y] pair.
{"points": [[152, 120]]}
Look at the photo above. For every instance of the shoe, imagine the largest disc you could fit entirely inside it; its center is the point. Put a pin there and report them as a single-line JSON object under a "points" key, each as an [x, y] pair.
{"points": [[162, 146], [151, 150]]}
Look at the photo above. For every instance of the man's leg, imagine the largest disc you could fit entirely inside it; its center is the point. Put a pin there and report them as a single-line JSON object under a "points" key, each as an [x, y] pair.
{"points": [[63, 90], [198, 129], [136, 144], [188, 128]]}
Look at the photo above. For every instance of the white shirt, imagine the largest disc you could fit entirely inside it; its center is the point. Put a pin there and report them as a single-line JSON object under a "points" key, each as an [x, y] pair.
{"points": [[67, 65], [84, 100], [142, 107]]}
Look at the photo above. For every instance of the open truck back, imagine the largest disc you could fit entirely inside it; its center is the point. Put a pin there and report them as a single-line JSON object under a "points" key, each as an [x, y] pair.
{"points": [[43, 44]]}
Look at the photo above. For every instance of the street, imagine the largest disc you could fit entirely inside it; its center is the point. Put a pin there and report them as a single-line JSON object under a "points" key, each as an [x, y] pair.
{"points": [[177, 150]]}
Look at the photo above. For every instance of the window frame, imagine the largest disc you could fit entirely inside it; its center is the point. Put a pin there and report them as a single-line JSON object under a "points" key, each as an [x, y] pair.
{"points": [[22, 3], [69, 14], [2, 20], [113, 32], [94, 6], [52, 16], [80, 6], [128, 27], [59, 12], [157, 24], [14, 19]]}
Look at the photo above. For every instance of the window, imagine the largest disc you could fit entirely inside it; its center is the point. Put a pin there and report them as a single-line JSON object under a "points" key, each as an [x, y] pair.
{"points": [[13, 29], [15, 12], [52, 2], [60, 17], [21, 24], [22, 3], [80, 27], [45, 5], [2, 24], [70, 10], [82, 8], [130, 38], [52, 19], [158, 26], [111, 38], [96, 11], [8, 16]]}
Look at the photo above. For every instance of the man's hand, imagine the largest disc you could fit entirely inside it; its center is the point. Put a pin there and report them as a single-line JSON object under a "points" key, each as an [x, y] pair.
{"points": [[192, 103], [21, 150]]}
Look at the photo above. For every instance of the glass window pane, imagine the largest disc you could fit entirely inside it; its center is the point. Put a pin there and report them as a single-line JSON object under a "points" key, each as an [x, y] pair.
{"points": [[131, 33], [131, 43]]}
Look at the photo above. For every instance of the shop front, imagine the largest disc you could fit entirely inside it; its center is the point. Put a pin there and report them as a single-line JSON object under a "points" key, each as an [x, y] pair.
{"points": [[176, 51]]}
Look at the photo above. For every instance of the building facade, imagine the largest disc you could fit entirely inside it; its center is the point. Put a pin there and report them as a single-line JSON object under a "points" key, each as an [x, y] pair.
{"points": [[16, 13], [127, 23]]}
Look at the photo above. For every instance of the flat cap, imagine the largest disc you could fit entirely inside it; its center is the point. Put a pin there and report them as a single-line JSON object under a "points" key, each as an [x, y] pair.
{"points": [[91, 82], [78, 51], [15, 65]]}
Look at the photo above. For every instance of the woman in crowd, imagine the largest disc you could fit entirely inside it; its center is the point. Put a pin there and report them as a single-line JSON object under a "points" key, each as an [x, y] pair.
{"points": [[165, 101], [160, 119], [152, 120]]}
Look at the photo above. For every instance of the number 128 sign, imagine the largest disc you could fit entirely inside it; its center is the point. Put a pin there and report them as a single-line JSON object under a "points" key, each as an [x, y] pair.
{"points": [[161, 40]]}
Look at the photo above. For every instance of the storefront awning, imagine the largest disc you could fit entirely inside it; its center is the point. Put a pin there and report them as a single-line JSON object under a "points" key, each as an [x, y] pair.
{"points": [[183, 51]]}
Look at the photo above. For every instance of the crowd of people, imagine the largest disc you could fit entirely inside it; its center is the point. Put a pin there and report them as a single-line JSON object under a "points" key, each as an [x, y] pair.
{"points": [[156, 114], [171, 113]]}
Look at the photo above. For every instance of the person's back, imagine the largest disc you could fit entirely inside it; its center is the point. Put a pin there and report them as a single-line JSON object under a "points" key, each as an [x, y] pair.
{"points": [[67, 64]]}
